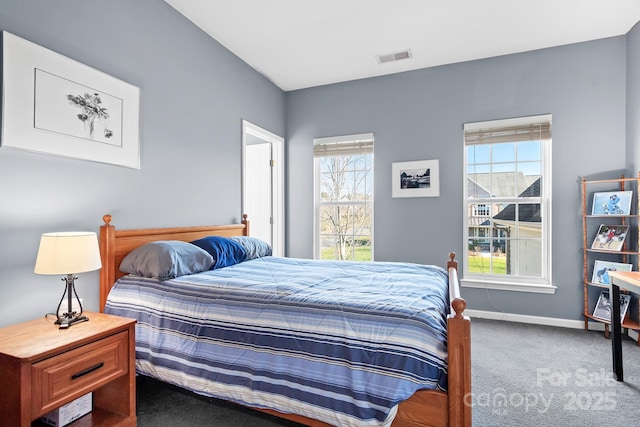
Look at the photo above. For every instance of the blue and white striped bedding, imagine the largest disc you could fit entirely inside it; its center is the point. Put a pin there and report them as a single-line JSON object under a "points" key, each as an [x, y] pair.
{"points": [[341, 342]]}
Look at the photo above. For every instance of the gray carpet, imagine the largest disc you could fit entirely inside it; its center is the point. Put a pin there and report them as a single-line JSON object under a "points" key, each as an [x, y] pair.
{"points": [[526, 375], [164, 405], [523, 375]]}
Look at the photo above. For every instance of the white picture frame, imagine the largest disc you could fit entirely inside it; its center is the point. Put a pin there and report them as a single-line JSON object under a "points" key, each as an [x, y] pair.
{"points": [[612, 203], [55, 105], [419, 178], [602, 309], [601, 269]]}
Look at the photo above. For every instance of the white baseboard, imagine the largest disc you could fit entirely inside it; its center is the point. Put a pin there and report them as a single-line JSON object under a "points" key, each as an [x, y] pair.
{"points": [[539, 320]]}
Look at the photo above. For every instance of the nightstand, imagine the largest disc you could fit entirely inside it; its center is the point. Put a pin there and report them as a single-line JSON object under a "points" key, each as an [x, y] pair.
{"points": [[43, 367]]}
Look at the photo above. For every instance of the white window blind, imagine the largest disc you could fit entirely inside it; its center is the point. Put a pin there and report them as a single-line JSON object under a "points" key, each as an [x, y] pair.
{"points": [[524, 132], [343, 145]]}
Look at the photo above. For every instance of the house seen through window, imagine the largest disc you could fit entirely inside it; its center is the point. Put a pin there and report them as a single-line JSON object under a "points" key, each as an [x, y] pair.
{"points": [[507, 201], [344, 197]]}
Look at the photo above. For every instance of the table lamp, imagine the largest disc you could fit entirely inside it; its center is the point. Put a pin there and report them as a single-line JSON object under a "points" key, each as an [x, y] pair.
{"points": [[68, 253]]}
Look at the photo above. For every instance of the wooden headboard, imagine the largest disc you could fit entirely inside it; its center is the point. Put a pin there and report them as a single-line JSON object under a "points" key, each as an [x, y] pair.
{"points": [[116, 244]]}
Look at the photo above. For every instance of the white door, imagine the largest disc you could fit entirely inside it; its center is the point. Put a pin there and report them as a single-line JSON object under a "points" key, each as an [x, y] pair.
{"points": [[263, 184], [258, 190]]}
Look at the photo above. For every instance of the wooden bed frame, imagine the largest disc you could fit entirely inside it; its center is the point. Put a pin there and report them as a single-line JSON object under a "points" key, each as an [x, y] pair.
{"points": [[424, 408]]}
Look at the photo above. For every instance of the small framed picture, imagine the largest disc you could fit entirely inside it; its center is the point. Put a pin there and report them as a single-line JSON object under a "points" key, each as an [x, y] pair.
{"points": [[610, 237], [601, 271], [612, 203], [420, 178], [602, 309]]}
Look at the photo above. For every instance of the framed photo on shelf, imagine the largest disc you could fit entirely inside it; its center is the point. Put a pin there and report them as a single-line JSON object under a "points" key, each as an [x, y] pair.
{"points": [[601, 271], [602, 309], [612, 203], [610, 237]]}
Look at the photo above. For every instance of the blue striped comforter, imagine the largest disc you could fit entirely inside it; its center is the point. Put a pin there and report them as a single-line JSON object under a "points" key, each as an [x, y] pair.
{"points": [[341, 342]]}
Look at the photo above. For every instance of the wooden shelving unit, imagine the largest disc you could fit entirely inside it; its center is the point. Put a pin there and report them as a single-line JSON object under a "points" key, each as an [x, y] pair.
{"points": [[629, 254]]}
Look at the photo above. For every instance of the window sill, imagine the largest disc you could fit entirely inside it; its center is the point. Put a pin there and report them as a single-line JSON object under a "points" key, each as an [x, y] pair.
{"points": [[501, 286]]}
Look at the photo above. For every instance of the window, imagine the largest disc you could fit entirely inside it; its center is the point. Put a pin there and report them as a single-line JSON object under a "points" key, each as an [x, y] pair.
{"points": [[344, 197], [507, 204], [480, 210]]}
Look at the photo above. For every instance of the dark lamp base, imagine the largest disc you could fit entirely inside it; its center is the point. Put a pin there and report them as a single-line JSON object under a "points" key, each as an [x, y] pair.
{"points": [[66, 322]]}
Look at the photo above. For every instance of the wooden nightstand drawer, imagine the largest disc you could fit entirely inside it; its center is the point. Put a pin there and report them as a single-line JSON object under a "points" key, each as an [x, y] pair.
{"points": [[62, 378]]}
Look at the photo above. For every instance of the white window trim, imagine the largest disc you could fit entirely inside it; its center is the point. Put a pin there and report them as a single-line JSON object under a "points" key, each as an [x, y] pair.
{"points": [[518, 283], [506, 286]]}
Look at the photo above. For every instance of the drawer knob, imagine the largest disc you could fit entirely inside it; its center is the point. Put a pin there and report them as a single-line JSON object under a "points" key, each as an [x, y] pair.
{"points": [[87, 371]]}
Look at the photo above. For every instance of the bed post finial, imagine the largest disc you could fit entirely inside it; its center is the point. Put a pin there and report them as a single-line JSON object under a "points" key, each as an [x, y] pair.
{"points": [[459, 305], [107, 219], [245, 221], [452, 261]]}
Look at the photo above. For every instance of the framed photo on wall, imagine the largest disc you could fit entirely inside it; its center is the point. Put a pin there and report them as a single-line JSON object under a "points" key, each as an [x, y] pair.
{"points": [[610, 237], [601, 271], [602, 309], [55, 105], [420, 178], [612, 203]]}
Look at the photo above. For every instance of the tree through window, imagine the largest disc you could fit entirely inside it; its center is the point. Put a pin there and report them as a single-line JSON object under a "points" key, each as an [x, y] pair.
{"points": [[344, 197]]}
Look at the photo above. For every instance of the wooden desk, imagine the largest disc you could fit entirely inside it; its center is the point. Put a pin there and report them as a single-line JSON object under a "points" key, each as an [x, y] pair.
{"points": [[629, 280]]}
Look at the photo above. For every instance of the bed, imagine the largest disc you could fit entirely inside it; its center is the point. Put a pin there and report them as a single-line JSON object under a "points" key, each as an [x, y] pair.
{"points": [[438, 391]]}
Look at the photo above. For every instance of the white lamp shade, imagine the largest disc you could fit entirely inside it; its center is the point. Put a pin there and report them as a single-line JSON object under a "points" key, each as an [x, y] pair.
{"points": [[68, 253]]}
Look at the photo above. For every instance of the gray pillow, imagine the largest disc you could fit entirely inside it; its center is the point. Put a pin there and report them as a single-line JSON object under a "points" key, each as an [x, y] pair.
{"points": [[254, 247], [166, 259]]}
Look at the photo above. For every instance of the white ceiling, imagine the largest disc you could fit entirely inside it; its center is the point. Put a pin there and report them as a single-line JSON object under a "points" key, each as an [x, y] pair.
{"points": [[304, 43]]}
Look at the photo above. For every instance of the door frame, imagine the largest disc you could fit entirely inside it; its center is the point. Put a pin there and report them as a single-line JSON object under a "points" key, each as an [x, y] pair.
{"points": [[277, 180]]}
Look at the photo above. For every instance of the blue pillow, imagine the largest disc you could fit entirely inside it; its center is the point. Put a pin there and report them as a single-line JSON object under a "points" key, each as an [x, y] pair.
{"points": [[254, 247], [225, 252], [166, 259]]}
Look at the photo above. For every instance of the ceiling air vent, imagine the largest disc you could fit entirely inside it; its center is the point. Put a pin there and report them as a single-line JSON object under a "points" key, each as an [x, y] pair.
{"points": [[392, 57]]}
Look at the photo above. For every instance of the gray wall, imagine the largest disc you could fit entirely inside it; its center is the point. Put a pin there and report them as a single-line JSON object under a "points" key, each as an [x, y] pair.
{"points": [[633, 109], [194, 94], [420, 115], [633, 99]]}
